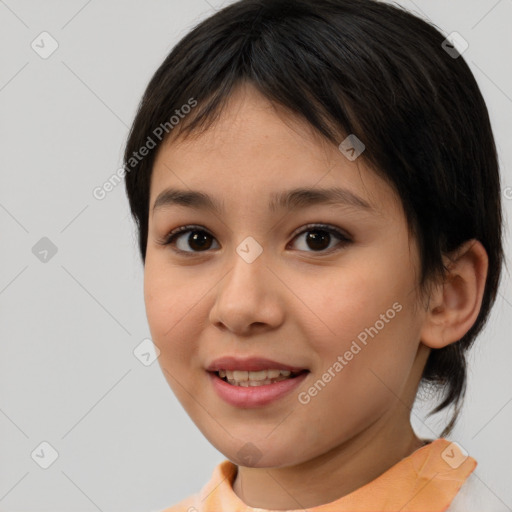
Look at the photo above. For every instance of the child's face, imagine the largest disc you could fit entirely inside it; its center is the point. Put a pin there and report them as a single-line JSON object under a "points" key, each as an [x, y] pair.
{"points": [[305, 301]]}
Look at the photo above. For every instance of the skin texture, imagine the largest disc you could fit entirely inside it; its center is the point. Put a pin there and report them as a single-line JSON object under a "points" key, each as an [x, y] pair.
{"points": [[295, 304]]}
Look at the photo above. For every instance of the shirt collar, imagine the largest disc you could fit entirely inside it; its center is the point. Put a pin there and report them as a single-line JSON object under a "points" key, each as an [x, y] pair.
{"points": [[427, 479]]}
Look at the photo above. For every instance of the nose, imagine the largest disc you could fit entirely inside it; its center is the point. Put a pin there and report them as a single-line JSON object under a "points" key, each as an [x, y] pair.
{"points": [[248, 298]]}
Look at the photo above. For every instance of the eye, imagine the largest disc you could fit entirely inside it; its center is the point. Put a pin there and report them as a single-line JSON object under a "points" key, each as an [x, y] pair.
{"points": [[198, 239], [320, 236]]}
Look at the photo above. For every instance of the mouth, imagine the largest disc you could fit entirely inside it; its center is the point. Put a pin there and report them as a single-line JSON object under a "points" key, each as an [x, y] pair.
{"points": [[256, 388], [258, 378]]}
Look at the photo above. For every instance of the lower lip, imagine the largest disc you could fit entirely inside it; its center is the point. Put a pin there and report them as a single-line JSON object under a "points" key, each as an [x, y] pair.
{"points": [[254, 396]]}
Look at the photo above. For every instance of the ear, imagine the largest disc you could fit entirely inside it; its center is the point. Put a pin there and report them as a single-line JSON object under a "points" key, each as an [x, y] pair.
{"points": [[454, 305]]}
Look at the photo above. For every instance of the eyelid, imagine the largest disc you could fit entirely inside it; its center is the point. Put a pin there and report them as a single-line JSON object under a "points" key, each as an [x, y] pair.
{"points": [[188, 227], [322, 227]]}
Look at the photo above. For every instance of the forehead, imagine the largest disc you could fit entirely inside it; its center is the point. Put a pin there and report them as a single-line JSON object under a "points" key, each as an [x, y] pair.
{"points": [[255, 151]]}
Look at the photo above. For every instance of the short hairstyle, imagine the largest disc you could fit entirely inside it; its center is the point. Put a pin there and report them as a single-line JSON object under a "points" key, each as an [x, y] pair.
{"points": [[359, 67]]}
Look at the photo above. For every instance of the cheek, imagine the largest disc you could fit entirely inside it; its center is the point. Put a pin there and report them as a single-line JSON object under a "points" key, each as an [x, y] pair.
{"points": [[171, 303], [171, 308], [350, 300], [365, 315]]}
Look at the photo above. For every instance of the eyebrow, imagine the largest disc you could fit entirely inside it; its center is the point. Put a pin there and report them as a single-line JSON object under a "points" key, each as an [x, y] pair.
{"points": [[289, 199]]}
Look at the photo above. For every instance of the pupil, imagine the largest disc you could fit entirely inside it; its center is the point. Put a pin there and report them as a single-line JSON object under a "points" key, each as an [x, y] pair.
{"points": [[199, 238], [318, 241]]}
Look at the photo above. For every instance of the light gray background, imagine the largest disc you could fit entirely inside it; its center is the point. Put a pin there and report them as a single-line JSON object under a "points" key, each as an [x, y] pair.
{"points": [[68, 327]]}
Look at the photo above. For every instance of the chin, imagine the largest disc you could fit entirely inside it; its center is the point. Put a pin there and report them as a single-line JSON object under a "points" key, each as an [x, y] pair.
{"points": [[260, 453]]}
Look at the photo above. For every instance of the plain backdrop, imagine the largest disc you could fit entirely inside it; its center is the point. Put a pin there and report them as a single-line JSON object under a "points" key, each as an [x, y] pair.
{"points": [[71, 303]]}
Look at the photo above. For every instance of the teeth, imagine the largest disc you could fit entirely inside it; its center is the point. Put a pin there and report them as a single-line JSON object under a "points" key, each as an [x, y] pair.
{"points": [[241, 376], [259, 378], [238, 375]]}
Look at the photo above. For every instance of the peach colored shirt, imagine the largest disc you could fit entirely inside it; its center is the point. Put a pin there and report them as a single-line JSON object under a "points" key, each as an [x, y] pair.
{"points": [[426, 480]]}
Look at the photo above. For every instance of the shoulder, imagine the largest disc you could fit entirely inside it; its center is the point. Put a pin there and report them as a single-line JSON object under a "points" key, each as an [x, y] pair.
{"points": [[475, 496], [217, 488], [185, 505]]}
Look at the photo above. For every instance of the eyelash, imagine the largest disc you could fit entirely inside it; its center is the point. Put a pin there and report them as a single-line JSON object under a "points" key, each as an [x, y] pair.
{"points": [[169, 239]]}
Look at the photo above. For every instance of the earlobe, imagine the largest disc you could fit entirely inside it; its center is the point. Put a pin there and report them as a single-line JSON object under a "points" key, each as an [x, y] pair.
{"points": [[455, 304]]}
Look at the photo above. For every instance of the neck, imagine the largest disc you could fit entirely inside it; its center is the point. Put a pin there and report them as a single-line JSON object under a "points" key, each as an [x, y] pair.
{"points": [[331, 475]]}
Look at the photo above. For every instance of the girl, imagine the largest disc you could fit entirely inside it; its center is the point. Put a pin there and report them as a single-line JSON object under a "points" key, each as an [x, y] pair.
{"points": [[317, 195]]}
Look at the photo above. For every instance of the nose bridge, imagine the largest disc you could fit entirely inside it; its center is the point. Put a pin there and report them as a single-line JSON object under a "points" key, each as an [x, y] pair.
{"points": [[245, 295], [248, 268]]}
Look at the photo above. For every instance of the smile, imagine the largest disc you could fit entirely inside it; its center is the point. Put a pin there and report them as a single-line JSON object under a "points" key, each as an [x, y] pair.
{"points": [[256, 378], [239, 390]]}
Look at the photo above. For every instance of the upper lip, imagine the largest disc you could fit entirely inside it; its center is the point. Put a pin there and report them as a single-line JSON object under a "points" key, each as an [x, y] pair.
{"points": [[250, 364]]}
